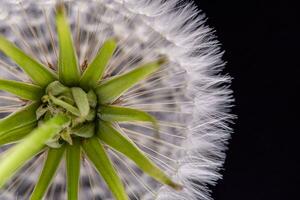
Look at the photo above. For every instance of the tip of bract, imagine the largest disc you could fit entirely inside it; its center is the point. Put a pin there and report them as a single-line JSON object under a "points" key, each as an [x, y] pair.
{"points": [[163, 60], [59, 7], [176, 186]]}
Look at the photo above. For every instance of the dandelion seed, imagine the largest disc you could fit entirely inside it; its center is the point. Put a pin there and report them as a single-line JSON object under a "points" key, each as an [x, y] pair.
{"points": [[109, 99]]}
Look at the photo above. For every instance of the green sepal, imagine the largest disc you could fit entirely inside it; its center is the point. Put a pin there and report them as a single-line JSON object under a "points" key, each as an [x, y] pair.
{"points": [[81, 101], [95, 70], [98, 156], [123, 114], [41, 111], [68, 99], [15, 126], [39, 73], [69, 72], [92, 98], [50, 167], [66, 136], [65, 105], [55, 142], [48, 115], [84, 131], [91, 116], [23, 90], [19, 154], [77, 121], [73, 169], [124, 145], [56, 88], [111, 90]]}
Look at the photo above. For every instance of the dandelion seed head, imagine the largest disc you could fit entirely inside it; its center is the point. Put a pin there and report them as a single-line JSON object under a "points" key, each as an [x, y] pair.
{"points": [[188, 96]]}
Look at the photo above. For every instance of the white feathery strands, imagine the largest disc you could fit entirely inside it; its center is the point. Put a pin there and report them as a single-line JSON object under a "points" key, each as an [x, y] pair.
{"points": [[110, 99]]}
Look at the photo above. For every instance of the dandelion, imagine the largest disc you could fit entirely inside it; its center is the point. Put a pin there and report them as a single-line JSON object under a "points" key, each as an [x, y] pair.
{"points": [[110, 99]]}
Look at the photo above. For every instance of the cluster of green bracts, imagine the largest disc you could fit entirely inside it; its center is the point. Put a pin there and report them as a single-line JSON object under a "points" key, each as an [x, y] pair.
{"points": [[70, 113]]}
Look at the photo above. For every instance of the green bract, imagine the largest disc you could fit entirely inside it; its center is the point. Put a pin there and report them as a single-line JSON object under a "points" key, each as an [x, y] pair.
{"points": [[70, 114]]}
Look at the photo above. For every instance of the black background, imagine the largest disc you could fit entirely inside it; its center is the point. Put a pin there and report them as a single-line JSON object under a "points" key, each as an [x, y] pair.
{"points": [[261, 41]]}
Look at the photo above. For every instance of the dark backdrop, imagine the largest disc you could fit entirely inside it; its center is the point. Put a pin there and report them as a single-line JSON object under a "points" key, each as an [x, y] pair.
{"points": [[262, 50]]}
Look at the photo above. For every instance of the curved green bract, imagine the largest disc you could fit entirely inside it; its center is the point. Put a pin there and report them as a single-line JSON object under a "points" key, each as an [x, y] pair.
{"points": [[124, 145], [56, 88], [23, 90], [95, 70], [85, 131], [19, 154], [92, 98], [51, 164], [39, 73], [123, 114], [65, 105], [97, 155], [81, 101], [111, 90], [73, 169], [69, 72], [17, 125]]}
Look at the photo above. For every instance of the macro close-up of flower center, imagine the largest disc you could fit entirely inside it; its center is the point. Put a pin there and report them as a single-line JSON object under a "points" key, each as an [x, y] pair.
{"points": [[108, 99]]}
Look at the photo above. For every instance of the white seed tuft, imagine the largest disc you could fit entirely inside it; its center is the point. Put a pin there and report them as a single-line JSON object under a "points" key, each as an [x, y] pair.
{"points": [[188, 95]]}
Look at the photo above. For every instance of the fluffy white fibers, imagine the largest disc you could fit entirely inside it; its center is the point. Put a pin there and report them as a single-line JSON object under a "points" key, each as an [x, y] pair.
{"points": [[189, 96]]}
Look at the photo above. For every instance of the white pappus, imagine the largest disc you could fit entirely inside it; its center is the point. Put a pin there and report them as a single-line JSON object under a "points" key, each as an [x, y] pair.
{"points": [[189, 95]]}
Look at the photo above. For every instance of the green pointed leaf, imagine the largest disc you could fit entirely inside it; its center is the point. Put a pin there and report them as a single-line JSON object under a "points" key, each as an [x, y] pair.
{"points": [[69, 72], [65, 105], [15, 126], [39, 73], [73, 169], [23, 90], [17, 134], [50, 167], [97, 154], [122, 114], [112, 89], [95, 70], [81, 101], [19, 154], [124, 145]]}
